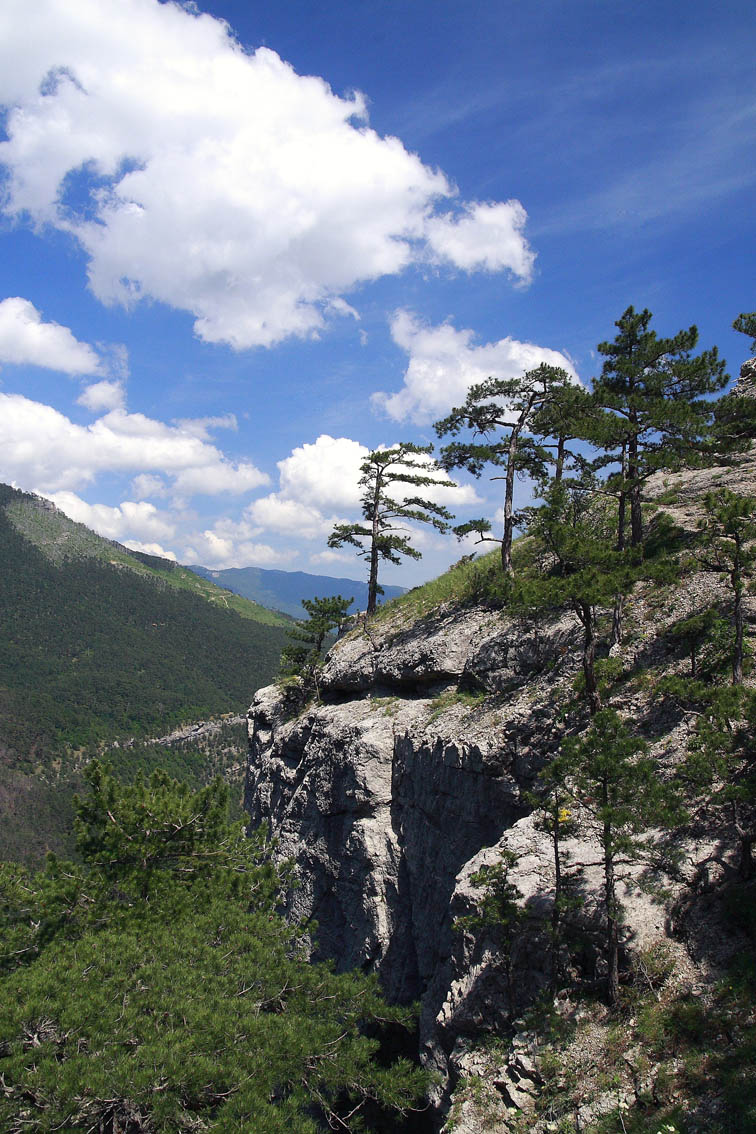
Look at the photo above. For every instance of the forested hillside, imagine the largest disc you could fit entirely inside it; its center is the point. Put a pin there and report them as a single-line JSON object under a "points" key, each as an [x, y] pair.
{"points": [[99, 645]]}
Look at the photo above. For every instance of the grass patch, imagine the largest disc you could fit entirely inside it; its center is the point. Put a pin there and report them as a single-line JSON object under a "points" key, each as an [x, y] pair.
{"points": [[478, 579], [452, 697]]}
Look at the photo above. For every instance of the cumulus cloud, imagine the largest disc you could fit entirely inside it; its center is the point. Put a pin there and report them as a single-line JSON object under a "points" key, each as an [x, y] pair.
{"points": [[149, 548], [42, 448], [487, 236], [444, 363], [132, 519], [103, 395], [26, 340], [145, 131], [212, 549], [290, 517], [147, 484], [319, 486], [325, 473]]}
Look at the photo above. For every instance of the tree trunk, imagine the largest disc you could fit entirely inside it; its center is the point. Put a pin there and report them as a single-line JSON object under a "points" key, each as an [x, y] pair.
{"points": [[514, 438], [556, 911], [559, 469], [610, 900], [636, 515], [622, 504], [587, 616], [746, 839], [506, 543], [738, 587], [612, 935], [373, 579], [616, 635]]}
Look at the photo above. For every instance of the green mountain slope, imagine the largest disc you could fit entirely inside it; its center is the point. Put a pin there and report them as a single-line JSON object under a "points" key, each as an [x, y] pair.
{"points": [[98, 645], [59, 538]]}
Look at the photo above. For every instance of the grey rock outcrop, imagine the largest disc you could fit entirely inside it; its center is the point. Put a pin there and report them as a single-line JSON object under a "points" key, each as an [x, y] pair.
{"points": [[412, 772], [385, 793]]}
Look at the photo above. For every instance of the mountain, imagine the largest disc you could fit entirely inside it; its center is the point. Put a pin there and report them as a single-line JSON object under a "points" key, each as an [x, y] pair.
{"points": [[101, 645], [284, 590]]}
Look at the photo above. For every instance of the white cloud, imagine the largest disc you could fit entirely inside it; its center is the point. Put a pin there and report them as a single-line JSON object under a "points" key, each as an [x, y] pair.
{"points": [[319, 486], [26, 340], [145, 131], [290, 517], [42, 448], [130, 519], [445, 362], [213, 550], [149, 549], [217, 477], [330, 558], [146, 484], [103, 395], [325, 473], [202, 427], [319, 481], [488, 236]]}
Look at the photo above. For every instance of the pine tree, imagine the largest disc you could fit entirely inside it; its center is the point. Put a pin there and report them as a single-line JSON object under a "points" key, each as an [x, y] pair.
{"points": [[580, 566], [655, 390], [303, 653], [568, 414], [552, 806], [160, 991], [498, 413], [746, 324], [380, 536], [498, 912], [721, 761], [729, 537], [608, 774]]}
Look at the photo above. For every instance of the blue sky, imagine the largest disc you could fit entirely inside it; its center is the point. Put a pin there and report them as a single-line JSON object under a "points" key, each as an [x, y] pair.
{"points": [[243, 244]]}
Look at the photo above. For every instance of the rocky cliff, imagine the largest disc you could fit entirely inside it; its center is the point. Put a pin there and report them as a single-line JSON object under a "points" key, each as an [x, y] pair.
{"points": [[386, 792], [411, 771]]}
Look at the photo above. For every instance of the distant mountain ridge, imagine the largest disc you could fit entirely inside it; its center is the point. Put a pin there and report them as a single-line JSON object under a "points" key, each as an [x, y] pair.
{"points": [[284, 590]]}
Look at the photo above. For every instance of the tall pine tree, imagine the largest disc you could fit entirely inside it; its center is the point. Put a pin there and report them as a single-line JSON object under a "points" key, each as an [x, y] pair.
{"points": [[381, 537], [497, 414], [660, 417]]}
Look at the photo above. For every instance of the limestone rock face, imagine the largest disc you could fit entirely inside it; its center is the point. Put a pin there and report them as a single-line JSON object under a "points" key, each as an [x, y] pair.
{"points": [[385, 793]]}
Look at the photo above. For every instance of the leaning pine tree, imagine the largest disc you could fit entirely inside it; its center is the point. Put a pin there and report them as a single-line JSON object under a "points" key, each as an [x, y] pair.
{"points": [[381, 536]]}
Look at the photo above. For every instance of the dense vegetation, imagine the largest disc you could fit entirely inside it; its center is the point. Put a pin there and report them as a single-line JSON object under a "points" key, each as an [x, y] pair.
{"points": [[154, 987]]}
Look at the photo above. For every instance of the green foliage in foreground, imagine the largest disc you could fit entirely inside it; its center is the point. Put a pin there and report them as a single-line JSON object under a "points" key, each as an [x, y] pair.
{"points": [[156, 989]]}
